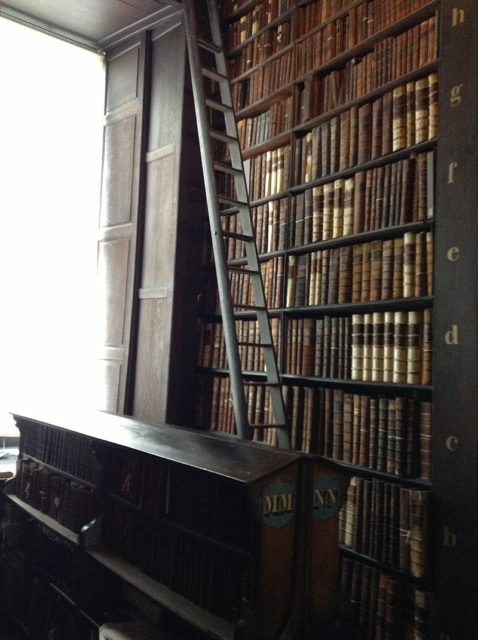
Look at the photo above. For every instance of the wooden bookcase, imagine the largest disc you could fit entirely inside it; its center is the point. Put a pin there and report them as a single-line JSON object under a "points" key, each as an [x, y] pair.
{"points": [[337, 112], [202, 525]]}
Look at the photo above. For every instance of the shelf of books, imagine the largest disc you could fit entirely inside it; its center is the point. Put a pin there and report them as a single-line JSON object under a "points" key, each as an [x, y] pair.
{"points": [[337, 111], [198, 523]]}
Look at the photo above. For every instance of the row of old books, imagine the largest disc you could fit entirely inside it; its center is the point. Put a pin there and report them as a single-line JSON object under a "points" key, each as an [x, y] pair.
{"points": [[212, 352], [37, 605], [385, 196], [190, 498], [140, 479], [389, 60], [397, 193], [247, 25], [272, 77], [272, 275], [269, 173], [378, 270], [388, 434], [212, 576], [392, 347], [264, 45], [67, 501], [382, 606], [214, 408], [335, 37], [401, 118], [372, 347], [66, 451], [388, 523], [258, 129]]}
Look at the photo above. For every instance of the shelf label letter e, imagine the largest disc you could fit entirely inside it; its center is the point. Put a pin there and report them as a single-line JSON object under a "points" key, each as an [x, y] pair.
{"points": [[452, 254]]}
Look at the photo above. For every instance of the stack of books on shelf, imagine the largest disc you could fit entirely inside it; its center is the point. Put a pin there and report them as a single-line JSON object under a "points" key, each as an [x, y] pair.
{"points": [[338, 124]]}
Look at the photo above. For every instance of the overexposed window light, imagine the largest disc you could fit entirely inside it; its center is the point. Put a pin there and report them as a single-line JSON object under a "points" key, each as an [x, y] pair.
{"points": [[51, 115]]}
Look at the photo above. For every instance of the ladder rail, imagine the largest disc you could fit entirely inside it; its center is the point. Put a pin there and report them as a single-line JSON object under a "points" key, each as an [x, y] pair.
{"points": [[240, 207], [230, 338]]}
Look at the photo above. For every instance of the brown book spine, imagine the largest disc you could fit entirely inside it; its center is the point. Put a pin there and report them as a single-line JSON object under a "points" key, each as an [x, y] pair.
{"points": [[400, 347], [425, 440], [399, 120], [364, 430], [364, 144], [317, 213], [397, 279], [357, 251], [347, 428], [422, 110], [375, 270], [414, 347], [373, 434], [419, 522], [357, 346]]}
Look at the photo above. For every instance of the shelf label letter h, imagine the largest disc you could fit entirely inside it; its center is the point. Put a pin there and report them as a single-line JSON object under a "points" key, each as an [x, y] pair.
{"points": [[458, 16]]}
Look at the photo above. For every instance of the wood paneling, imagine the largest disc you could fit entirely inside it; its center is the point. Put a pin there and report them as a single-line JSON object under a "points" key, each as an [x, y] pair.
{"points": [[113, 260], [152, 361], [168, 58], [119, 247], [122, 79], [117, 184]]}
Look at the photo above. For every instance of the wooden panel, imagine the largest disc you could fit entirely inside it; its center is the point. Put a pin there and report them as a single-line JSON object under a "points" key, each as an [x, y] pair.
{"points": [[113, 259], [168, 58], [455, 436], [160, 222], [152, 361], [92, 19], [118, 172], [122, 79], [123, 202], [108, 384]]}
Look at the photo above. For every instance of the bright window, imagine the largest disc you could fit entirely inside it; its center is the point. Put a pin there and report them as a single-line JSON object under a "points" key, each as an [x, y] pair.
{"points": [[51, 114]]}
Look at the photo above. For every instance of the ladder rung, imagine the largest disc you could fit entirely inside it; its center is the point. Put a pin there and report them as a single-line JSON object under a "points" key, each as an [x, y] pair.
{"points": [[225, 168], [209, 46], [237, 236], [223, 137], [241, 269], [262, 345], [267, 426], [231, 202], [230, 211], [218, 106], [213, 75], [249, 307], [262, 383]]}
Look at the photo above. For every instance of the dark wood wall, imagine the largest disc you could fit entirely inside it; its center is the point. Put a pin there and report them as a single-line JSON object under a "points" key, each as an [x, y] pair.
{"points": [[150, 231]]}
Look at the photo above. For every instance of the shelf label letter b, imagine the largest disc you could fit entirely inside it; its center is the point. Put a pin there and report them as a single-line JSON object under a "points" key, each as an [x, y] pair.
{"points": [[449, 538]]}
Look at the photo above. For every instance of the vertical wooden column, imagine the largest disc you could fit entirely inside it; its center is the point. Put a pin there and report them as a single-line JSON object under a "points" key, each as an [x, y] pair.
{"points": [[122, 203], [455, 419]]}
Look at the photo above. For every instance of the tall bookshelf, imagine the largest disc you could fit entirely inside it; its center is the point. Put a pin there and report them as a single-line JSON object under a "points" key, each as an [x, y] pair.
{"points": [[337, 111]]}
